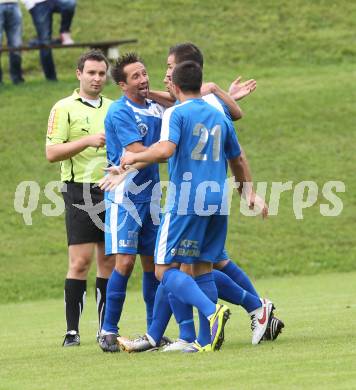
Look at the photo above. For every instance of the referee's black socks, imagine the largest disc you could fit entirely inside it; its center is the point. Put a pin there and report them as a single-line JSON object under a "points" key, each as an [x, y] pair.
{"points": [[74, 299]]}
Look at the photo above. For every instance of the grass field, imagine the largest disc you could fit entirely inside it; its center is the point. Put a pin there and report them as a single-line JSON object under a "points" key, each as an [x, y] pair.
{"points": [[299, 125], [317, 349]]}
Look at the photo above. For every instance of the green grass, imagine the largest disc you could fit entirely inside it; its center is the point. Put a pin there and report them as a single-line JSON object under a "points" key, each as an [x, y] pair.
{"points": [[315, 351], [299, 125]]}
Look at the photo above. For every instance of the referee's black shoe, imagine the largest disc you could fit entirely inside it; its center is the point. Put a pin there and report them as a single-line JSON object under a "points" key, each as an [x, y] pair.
{"points": [[71, 339]]}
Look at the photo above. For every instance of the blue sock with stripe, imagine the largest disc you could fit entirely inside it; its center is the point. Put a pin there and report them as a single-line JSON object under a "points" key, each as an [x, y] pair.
{"points": [[239, 276], [183, 287], [161, 315], [231, 292], [207, 285], [183, 314], [149, 287], [115, 298]]}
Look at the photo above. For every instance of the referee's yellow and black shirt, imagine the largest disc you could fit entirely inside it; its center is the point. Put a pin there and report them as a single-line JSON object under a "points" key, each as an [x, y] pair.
{"points": [[71, 119]]}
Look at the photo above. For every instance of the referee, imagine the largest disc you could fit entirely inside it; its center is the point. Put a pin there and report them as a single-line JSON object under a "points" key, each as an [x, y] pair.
{"points": [[76, 138]]}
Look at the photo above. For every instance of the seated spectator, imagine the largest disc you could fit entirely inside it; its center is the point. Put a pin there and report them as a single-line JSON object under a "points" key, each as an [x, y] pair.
{"points": [[11, 23]]}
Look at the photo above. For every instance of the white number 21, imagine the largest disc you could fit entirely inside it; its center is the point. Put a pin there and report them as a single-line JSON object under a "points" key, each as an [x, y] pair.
{"points": [[203, 133]]}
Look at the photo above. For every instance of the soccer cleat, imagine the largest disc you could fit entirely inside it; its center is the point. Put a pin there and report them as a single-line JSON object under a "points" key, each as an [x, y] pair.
{"points": [[274, 328], [260, 319], [217, 324], [109, 342], [196, 347], [71, 339], [141, 344], [177, 345], [165, 341]]}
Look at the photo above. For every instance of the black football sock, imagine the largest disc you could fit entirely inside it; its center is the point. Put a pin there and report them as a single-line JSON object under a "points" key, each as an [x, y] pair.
{"points": [[74, 299], [100, 296]]}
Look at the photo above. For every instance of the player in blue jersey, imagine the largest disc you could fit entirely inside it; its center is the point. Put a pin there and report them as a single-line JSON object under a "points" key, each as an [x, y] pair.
{"points": [[199, 140], [238, 90], [133, 122], [232, 278], [125, 119]]}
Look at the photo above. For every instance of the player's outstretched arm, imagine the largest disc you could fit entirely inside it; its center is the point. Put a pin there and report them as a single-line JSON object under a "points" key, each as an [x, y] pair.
{"points": [[234, 109], [242, 175], [239, 90], [158, 152], [115, 175], [63, 151], [163, 98], [137, 147]]}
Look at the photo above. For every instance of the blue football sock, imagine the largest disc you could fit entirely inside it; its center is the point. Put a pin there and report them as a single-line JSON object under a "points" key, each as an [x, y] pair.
{"points": [[115, 298], [239, 277], [231, 292], [149, 287], [207, 285], [183, 314], [183, 287], [161, 315]]}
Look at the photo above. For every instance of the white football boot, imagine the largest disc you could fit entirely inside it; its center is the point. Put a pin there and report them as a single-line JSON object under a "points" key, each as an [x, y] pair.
{"points": [[176, 346], [260, 319]]}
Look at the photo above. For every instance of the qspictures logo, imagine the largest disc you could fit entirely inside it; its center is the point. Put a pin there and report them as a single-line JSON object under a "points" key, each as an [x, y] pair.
{"points": [[304, 195]]}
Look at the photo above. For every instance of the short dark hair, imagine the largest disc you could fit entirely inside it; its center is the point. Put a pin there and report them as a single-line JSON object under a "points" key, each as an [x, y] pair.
{"points": [[93, 55], [187, 52], [117, 70], [188, 76]]}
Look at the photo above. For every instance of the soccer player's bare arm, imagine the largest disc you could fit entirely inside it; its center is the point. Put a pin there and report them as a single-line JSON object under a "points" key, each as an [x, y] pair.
{"points": [[241, 172], [137, 165], [246, 164], [63, 151], [234, 109], [135, 147], [157, 153], [162, 97]]}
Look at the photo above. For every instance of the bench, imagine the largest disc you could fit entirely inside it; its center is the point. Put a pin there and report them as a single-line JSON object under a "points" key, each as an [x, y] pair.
{"points": [[109, 48]]}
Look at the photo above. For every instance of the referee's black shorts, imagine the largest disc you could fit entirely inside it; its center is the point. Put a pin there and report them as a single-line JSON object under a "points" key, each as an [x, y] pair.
{"points": [[80, 226]]}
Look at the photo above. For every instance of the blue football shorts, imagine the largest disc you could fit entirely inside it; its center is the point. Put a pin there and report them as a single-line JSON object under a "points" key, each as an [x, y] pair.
{"points": [[191, 238], [129, 230]]}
